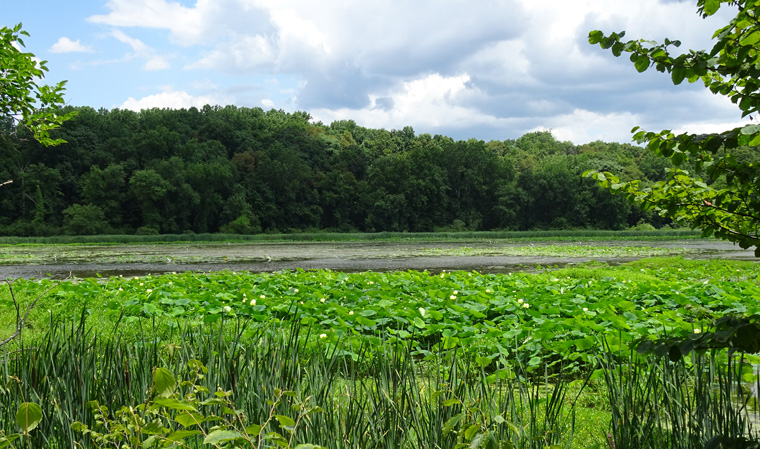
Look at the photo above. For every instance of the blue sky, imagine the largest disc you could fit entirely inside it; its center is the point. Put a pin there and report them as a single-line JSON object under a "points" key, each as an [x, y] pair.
{"points": [[488, 69]]}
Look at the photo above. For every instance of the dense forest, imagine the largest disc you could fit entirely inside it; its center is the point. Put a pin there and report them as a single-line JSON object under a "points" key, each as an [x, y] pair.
{"points": [[246, 170]]}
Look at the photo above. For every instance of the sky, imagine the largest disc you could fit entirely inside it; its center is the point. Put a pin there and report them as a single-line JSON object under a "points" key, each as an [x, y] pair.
{"points": [[483, 69]]}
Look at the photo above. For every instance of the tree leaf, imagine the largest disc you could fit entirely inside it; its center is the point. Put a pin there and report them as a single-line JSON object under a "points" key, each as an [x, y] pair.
{"points": [[28, 416], [174, 404], [285, 421], [164, 382], [179, 435], [220, 436], [452, 422]]}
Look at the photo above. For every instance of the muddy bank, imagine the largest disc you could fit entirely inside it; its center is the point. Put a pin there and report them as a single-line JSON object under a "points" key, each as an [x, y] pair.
{"points": [[487, 257]]}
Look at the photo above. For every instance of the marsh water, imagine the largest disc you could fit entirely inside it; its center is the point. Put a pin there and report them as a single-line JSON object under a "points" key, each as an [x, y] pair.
{"points": [[61, 261]]}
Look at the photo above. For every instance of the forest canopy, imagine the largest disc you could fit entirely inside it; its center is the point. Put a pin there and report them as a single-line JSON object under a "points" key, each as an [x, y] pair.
{"points": [[246, 170]]}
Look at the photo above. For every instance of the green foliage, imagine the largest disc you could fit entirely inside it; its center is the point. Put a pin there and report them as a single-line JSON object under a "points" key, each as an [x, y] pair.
{"points": [[698, 401], [241, 225], [709, 187], [198, 171], [552, 316], [28, 417], [178, 412], [84, 220], [36, 107]]}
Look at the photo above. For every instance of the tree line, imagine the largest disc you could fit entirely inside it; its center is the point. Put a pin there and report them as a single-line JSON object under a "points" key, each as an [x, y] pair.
{"points": [[246, 170]]}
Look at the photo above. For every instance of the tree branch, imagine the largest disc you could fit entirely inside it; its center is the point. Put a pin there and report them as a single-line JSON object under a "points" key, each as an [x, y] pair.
{"points": [[20, 321]]}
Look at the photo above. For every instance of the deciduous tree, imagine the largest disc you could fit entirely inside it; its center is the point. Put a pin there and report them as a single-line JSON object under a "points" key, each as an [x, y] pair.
{"points": [[709, 187], [30, 104]]}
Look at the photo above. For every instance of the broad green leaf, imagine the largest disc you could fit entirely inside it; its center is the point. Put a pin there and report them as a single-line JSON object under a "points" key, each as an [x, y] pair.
{"points": [[164, 382], [189, 419], [285, 421], [471, 431], [677, 75], [174, 404], [253, 430], [221, 436], [750, 39], [153, 428], [711, 7], [641, 63], [419, 323], [28, 416], [5, 441], [179, 435], [452, 422]]}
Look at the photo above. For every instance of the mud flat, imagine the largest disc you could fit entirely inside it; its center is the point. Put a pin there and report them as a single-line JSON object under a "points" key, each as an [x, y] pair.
{"points": [[61, 261]]}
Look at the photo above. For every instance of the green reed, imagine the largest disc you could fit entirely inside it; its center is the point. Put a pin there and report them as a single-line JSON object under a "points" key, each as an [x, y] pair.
{"points": [[370, 397]]}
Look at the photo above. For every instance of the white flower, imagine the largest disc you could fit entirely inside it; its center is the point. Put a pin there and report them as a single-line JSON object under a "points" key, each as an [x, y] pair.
{"points": [[322, 335], [452, 297], [370, 283], [456, 292], [141, 284], [137, 278], [227, 308], [351, 312], [170, 282], [697, 331], [322, 300], [149, 290], [488, 290], [526, 305], [295, 290], [253, 302], [121, 289], [585, 309], [262, 296], [422, 311], [520, 301]]}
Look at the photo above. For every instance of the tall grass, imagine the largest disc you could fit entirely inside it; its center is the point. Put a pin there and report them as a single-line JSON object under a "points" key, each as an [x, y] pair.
{"points": [[370, 399], [699, 402]]}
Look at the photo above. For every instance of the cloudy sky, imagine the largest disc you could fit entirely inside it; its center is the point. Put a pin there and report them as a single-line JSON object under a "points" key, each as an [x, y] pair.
{"points": [[485, 69]]}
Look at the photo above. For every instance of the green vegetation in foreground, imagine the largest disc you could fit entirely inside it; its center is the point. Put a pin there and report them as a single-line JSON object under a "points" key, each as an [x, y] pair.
{"points": [[556, 315], [391, 359], [662, 234]]}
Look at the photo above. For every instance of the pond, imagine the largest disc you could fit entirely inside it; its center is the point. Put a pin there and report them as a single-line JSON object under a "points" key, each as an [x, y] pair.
{"points": [[62, 261]]}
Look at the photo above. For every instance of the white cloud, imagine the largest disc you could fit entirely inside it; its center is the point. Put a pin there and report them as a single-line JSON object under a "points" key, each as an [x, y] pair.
{"points": [[186, 23], [428, 103], [454, 67], [583, 126], [137, 45], [140, 50], [156, 63], [172, 100], [66, 45], [245, 53]]}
